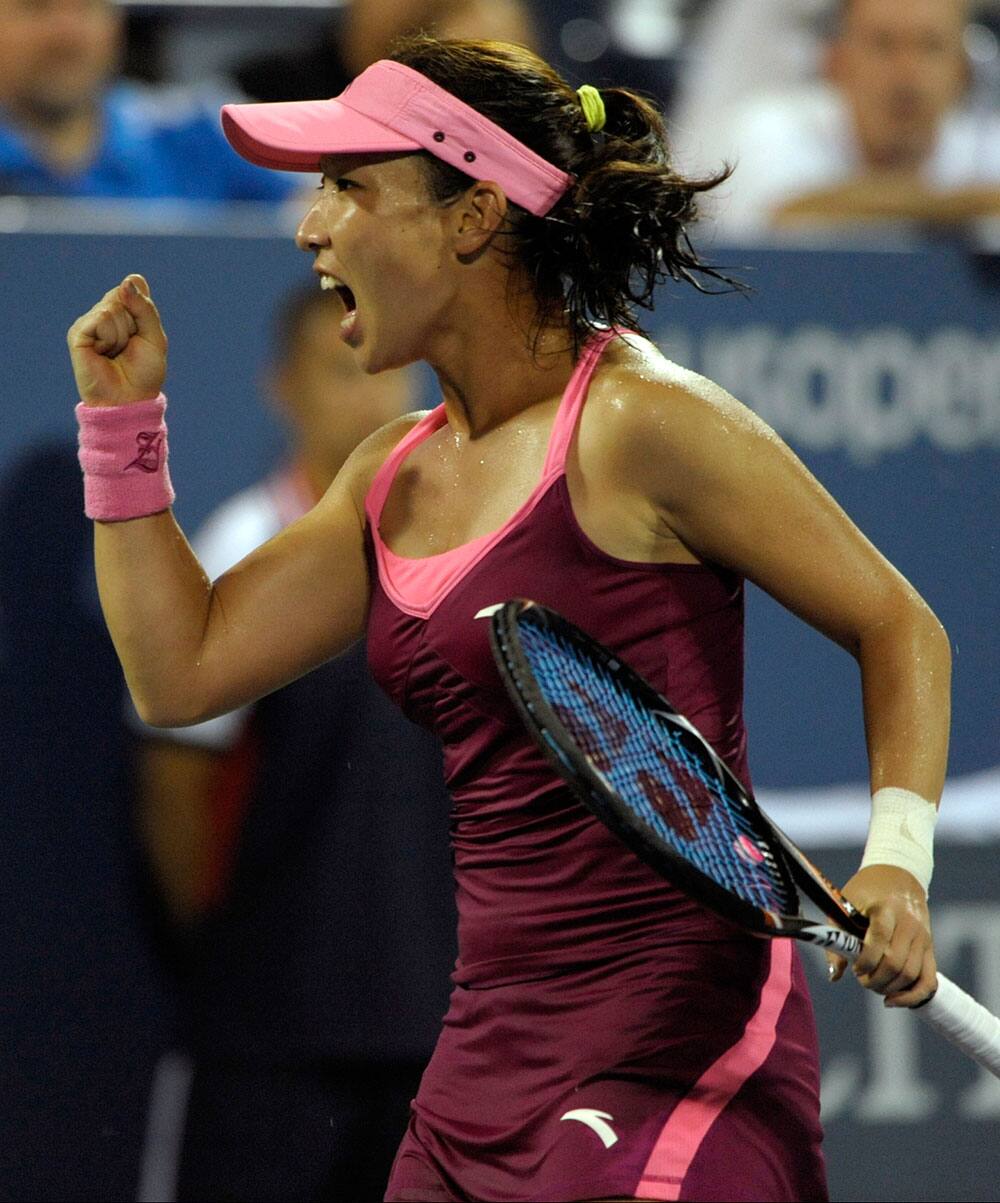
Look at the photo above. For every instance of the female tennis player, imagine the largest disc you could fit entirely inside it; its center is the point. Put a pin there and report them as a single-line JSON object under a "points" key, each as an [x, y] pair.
{"points": [[606, 1038]]}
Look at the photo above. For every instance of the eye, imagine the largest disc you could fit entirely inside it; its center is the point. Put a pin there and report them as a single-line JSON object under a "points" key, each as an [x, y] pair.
{"points": [[340, 184]]}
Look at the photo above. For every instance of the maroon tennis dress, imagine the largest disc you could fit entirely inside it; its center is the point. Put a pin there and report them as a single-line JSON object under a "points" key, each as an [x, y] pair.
{"points": [[606, 1036]]}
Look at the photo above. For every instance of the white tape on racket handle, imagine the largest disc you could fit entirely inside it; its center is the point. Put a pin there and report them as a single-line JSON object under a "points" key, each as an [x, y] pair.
{"points": [[951, 1012], [954, 1015], [966, 1023]]}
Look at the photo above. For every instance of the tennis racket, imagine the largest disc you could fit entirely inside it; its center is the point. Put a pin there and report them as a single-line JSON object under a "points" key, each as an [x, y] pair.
{"points": [[647, 773]]}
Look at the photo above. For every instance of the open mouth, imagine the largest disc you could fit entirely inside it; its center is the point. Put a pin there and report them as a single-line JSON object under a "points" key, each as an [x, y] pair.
{"points": [[332, 284]]}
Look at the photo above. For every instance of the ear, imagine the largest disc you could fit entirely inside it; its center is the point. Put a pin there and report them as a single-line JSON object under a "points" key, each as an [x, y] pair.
{"points": [[480, 214]]}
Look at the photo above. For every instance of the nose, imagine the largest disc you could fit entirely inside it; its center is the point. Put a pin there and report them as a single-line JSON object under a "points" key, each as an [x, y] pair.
{"points": [[311, 236]]}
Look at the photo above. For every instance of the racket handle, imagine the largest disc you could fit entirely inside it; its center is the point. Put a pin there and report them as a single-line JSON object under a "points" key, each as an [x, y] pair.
{"points": [[835, 939], [966, 1023], [951, 1012]]}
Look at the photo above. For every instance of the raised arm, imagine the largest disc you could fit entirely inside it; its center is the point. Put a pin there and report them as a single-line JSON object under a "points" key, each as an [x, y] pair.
{"points": [[191, 649], [721, 481], [888, 197]]}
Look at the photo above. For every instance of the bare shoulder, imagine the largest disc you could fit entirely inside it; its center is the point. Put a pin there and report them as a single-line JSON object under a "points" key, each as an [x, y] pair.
{"points": [[640, 394], [646, 413]]}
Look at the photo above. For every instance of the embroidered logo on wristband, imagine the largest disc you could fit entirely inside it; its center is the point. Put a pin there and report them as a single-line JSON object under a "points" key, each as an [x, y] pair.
{"points": [[149, 443]]}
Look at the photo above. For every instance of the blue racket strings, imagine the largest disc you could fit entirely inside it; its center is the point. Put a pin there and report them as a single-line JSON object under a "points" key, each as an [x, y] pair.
{"points": [[651, 766]]}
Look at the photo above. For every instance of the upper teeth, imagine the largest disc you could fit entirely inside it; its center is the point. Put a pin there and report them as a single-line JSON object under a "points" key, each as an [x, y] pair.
{"points": [[330, 282]]}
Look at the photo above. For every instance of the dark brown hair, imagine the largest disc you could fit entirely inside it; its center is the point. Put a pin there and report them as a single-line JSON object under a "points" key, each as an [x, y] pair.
{"points": [[621, 229]]}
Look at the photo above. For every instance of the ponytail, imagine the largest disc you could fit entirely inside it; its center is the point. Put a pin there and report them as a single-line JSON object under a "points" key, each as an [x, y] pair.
{"points": [[622, 228]]}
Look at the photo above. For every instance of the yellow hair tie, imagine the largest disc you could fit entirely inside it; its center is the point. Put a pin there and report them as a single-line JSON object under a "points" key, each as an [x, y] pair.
{"points": [[593, 107]]}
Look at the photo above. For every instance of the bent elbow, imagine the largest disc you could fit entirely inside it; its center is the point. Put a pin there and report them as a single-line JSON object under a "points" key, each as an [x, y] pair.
{"points": [[939, 639], [153, 714], [925, 633], [927, 622], [905, 620]]}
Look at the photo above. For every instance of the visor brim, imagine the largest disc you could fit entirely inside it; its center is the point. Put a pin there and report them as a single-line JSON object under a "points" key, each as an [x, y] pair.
{"points": [[294, 135]]}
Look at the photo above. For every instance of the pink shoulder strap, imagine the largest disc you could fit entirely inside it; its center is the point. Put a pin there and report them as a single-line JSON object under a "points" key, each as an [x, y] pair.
{"points": [[382, 482], [569, 409]]}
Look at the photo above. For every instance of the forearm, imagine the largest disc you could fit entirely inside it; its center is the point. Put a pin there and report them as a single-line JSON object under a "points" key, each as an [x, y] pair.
{"points": [[192, 649], [156, 601], [906, 688], [857, 200], [967, 204], [906, 671], [889, 199]]}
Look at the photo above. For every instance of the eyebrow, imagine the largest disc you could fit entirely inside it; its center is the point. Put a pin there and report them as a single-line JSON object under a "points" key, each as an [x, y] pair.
{"points": [[334, 164]]}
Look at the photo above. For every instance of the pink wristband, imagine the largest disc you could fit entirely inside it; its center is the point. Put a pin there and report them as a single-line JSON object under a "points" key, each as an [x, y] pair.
{"points": [[123, 453]]}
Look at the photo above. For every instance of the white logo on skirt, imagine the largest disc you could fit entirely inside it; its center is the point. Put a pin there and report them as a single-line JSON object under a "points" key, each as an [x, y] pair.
{"points": [[596, 1121]]}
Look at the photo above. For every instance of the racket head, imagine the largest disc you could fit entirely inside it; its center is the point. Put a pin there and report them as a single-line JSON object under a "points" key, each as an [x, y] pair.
{"points": [[642, 768]]}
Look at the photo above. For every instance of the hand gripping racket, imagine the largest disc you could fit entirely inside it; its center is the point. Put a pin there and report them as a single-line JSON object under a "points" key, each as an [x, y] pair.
{"points": [[645, 771]]}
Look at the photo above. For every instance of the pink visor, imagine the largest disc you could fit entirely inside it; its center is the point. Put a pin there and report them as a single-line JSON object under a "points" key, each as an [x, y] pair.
{"points": [[389, 108]]}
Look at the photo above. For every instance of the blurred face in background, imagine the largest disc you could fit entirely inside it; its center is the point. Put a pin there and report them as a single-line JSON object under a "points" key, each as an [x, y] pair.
{"points": [[55, 56], [333, 404], [486, 20], [901, 65]]}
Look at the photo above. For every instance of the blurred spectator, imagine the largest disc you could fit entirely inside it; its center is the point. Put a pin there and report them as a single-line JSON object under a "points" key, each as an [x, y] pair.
{"points": [[67, 128], [299, 849], [735, 50], [363, 32], [884, 138]]}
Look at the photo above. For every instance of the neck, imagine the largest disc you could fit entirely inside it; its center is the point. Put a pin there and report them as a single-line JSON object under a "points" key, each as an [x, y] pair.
{"points": [[64, 139], [491, 367], [908, 151]]}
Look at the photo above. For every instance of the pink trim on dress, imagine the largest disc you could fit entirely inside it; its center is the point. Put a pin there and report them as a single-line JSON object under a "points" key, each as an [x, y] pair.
{"points": [[381, 484], [678, 1144], [417, 585]]}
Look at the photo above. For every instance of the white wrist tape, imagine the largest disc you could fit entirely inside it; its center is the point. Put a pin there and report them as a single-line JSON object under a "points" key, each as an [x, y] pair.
{"points": [[901, 833]]}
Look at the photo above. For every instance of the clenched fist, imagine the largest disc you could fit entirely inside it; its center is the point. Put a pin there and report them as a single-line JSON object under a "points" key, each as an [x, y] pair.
{"points": [[118, 348]]}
